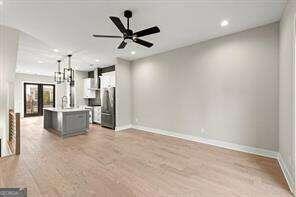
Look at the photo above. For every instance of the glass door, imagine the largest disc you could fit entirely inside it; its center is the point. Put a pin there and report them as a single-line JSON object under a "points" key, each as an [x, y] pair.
{"points": [[37, 97], [48, 96], [32, 101]]}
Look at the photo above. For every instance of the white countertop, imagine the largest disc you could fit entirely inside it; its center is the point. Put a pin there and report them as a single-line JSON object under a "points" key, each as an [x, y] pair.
{"points": [[65, 109]]}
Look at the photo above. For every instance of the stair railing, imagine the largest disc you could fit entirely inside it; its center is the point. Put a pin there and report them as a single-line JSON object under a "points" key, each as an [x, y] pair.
{"points": [[14, 132]]}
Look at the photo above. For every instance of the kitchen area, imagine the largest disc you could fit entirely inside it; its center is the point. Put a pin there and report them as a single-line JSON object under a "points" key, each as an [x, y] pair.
{"points": [[89, 99], [99, 92]]}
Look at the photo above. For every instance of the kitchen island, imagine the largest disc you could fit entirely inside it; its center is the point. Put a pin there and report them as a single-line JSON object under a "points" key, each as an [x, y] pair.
{"points": [[66, 122]]}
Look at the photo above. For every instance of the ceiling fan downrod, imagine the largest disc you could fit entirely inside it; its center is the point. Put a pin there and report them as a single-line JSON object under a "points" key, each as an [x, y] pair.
{"points": [[128, 14]]}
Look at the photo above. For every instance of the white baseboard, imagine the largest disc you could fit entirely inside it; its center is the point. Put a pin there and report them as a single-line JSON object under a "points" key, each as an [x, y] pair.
{"points": [[287, 174], [120, 128], [232, 146]]}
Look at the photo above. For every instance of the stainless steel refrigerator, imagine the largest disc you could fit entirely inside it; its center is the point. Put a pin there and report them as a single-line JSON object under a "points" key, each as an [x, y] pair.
{"points": [[108, 107]]}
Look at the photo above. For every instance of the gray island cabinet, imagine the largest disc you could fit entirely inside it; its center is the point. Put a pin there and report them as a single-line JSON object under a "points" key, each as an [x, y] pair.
{"points": [[66, 122]]}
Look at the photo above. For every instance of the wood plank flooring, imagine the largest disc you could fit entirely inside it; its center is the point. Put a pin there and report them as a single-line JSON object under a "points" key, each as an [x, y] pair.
{"points": [[134, 163]]}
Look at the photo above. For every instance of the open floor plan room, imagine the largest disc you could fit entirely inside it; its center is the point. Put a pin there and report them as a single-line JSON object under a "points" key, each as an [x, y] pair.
{"points": [[135, 163], [147, 98]]}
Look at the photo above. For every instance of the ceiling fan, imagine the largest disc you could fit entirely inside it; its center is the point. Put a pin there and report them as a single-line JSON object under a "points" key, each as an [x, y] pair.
{"points": [[128, 34]]}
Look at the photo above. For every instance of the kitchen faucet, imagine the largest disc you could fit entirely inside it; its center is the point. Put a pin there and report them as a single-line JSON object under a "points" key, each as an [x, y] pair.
{"points": [[64, 97]]}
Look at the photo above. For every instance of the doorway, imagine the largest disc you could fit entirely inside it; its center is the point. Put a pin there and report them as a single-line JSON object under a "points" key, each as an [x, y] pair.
{"points": [[36, 97]]}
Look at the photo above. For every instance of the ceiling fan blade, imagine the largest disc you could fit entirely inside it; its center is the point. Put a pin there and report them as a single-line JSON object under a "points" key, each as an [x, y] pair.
{"points": [[145, 32], [143, 42], [105, 36], [122, 45], [118, 24]]}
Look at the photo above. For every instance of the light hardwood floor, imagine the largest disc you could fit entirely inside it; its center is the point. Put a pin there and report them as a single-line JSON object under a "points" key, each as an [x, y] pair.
{"points": [[134, 163]]}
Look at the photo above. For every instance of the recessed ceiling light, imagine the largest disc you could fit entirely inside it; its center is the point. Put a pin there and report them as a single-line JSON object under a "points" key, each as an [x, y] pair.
{"points": [[40, 62], [56, 50], [1, 2], [133, 52], [224, 23], [97, 60]]}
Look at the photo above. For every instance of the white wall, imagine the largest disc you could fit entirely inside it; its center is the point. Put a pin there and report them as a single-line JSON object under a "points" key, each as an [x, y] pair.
{"points": [[79, 88], [8, 55], [60, 89], [227, 87], [287, 88], [20, 78], [123, 93]]}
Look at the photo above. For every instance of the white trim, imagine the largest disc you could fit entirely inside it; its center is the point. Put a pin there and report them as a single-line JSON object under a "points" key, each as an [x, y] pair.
{"points": [[286, 173], [32, 73], [294, 115], [232, 146], [120, 128]]}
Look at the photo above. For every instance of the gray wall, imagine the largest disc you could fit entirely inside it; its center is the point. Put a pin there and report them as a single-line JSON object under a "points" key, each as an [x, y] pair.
{"points": [[287, 87], [123, 93], [226, 87]]}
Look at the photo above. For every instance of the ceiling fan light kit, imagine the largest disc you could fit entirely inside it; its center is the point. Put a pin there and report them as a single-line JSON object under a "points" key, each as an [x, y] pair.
{"points": [[128, 34]]}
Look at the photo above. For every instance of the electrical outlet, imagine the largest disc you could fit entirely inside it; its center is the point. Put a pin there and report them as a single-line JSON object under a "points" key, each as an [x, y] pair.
{"points": [[137, 120], [203, 130]]}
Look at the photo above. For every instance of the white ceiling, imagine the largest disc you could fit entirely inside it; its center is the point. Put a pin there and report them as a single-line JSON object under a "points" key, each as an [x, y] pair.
{"points": [[68, 25]]}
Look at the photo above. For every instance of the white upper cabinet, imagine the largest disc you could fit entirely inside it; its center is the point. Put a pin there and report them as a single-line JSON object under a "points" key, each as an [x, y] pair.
{"points": [[88, 91]]}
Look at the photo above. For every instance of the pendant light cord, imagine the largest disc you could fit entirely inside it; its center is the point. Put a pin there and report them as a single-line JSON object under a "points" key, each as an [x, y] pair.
{"points": [[59, 66], [69, 61]]}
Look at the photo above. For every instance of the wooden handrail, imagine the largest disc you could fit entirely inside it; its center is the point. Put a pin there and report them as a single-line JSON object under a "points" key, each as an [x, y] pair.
{"points": [[14, 132]]}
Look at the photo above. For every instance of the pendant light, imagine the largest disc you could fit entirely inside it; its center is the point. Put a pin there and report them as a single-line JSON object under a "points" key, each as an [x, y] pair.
{"points": [[69, 72], [58, 76]]}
